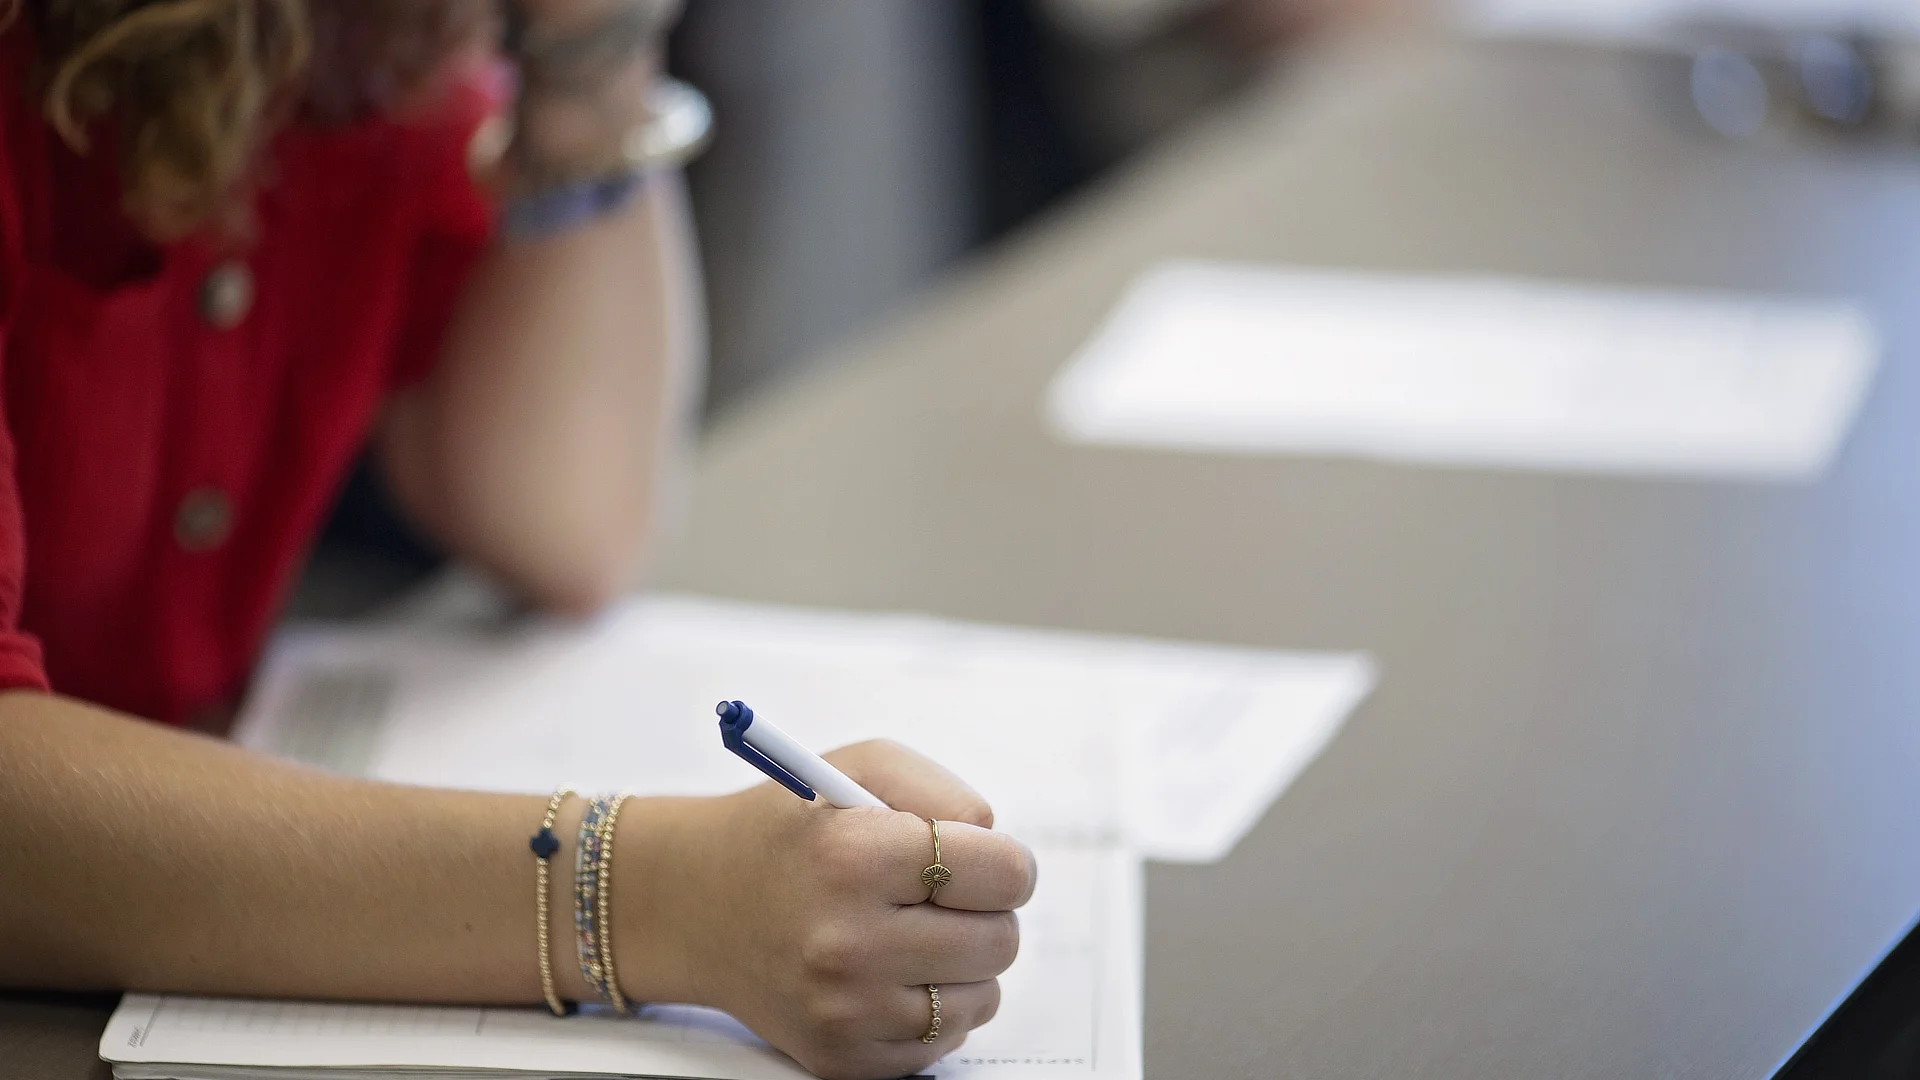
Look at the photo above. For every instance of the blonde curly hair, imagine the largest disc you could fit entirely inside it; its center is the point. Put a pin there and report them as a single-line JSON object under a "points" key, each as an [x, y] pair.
{"points": [[193, 89]]}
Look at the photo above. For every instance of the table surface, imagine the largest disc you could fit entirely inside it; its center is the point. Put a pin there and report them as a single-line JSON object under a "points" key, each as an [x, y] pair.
{"points": [[1636, 793]]}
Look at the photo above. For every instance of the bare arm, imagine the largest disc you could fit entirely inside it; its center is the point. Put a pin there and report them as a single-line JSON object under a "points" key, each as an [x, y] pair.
{"points": [[537, 448], [137, 857]]}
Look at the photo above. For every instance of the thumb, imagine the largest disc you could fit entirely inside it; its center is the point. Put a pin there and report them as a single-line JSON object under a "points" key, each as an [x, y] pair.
{"points": [[910, 782]]}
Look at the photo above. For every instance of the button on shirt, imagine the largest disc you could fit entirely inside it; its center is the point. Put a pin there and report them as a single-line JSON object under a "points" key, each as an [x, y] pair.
{"points": [[174, 420], [226, 294]]}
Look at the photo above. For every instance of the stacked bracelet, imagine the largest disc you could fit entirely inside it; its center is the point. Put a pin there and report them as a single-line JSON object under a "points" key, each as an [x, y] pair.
{"points": [[610, 982], [592, 897], [586, 895], [678, 128], [544, 844]]}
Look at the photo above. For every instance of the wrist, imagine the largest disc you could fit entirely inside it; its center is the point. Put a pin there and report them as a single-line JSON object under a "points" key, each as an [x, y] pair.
{"points": [[587, 74], [676, 130], [654, 862], [567, 980]]}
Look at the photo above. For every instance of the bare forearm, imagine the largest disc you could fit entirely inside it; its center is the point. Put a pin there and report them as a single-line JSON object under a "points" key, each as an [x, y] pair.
{"points": [[135, 856], [538, 448]]}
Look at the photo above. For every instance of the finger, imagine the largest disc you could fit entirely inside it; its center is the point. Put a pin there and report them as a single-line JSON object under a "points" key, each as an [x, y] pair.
{"points": [[911, 1057], [907, 1014], [990, 871], [911, 782], [928, 944]]}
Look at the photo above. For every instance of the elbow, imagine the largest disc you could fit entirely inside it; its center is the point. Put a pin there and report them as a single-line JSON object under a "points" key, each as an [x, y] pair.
{"points": [[575, 594], [585, 577]]}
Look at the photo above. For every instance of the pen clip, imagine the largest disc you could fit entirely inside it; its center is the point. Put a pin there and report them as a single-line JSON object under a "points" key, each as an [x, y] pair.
{"points": [[735, 719]]}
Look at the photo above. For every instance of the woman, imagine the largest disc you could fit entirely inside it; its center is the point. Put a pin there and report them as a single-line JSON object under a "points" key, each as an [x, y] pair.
{"points": [[239, 238]]}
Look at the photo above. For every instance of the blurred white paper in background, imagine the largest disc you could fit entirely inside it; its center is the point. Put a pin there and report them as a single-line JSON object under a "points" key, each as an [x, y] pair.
{"points": [[1469, 371], [1173, 750]]}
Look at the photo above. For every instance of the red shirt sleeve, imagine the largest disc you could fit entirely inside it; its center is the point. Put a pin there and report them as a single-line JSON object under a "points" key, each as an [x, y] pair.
{"points": [[19, 653], [20, 659], [456, 226]]}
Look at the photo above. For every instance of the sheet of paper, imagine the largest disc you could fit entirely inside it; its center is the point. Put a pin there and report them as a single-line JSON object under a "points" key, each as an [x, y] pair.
{"points": [[1174, 749], [1470, 371], [1070, 1009]]}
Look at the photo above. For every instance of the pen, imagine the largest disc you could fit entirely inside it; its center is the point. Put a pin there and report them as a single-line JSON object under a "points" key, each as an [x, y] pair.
{"points": [[793, 766]]}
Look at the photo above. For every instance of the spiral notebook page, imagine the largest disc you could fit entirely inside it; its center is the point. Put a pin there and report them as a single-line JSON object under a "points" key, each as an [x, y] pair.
{"points": [[1070, 1008]]}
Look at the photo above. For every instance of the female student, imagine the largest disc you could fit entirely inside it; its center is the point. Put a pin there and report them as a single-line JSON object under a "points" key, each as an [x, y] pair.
{"points": [[239, 240]]}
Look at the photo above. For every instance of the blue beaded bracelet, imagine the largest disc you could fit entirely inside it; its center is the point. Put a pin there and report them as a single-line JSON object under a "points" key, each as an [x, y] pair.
{"points": [[586, 896], [562, 208]]}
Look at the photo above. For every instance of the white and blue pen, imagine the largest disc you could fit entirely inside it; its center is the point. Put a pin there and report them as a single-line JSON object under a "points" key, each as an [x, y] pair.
{"points": [[791, 765]]}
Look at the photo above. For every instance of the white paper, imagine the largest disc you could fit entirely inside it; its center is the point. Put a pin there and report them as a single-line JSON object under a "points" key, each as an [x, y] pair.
{"points": [[1470, 371], [1091, 748], [1070, 1009], [1175, 750]]}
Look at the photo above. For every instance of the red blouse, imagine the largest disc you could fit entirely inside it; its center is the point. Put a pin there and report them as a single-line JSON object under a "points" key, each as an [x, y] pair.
{"points": [[174, 421]]}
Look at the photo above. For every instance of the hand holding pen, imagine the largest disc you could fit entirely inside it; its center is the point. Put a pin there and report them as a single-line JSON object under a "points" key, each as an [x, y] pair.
{"points": [[815, 925]]}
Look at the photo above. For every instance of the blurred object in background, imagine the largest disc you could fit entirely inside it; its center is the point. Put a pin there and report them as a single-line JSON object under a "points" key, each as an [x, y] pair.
{"points": [[1745, 82], [1072, 87], [1744, 69], [1655, 21], [862, 145], [838, 178]]}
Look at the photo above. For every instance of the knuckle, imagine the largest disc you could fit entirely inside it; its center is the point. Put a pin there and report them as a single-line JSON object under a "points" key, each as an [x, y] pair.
{"points": [[1011, 869], [974, 810], [845, 858], [1003, 941], [989, 1004], [870, 750], [832, 953]]}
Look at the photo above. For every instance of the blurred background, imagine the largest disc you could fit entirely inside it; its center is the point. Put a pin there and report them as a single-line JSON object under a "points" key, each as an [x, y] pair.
{"points": [[865, 147]]}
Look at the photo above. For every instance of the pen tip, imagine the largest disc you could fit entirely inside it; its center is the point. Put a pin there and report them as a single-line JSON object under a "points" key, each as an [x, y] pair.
{"points": [[721, 710]]}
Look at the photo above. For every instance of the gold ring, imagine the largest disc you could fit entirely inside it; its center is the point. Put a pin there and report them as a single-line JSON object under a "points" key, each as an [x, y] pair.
{"points": [[933, 1025], [936, 875]]}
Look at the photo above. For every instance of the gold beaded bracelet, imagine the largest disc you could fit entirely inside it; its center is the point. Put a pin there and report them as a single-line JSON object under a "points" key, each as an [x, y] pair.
{"points": [[544, 844], [611, 982]]}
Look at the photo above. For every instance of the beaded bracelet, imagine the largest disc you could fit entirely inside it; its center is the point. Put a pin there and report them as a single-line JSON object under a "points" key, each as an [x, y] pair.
{"points": [[544, 844], [586, 896], [612, 982]]}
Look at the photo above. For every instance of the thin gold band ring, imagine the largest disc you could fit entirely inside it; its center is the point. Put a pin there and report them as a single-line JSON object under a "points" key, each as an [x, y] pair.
{"points": [[933, 877]]}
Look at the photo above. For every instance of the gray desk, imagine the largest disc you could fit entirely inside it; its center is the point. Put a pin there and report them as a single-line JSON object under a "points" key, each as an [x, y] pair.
{"points": [[1639, 794]]}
